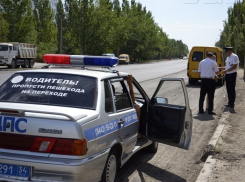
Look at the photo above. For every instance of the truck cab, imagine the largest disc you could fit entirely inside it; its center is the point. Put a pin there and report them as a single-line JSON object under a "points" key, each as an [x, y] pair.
{"points": [[7, 53]]}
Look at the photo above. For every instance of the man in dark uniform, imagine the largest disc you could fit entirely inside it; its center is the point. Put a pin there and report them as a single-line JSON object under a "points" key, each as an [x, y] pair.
{"points": [[230, 71], [207, 69]]}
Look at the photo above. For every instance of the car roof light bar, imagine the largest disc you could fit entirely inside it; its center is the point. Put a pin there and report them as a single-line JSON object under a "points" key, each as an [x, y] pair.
{"points": [[80, 60]]}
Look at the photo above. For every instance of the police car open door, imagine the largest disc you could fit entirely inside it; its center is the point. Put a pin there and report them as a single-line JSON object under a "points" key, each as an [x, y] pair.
{"points": [[170, 117]]}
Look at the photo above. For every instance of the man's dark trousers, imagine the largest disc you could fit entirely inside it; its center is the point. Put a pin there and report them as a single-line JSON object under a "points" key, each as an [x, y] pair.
{"points": [[230, 87], [207, 86]]}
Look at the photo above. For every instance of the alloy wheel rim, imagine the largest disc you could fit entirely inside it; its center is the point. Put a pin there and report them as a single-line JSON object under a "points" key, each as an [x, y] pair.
{"points": [[111, 169]]}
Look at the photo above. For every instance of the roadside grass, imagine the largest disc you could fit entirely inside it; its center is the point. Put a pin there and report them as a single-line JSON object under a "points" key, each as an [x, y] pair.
{"points": [[218, 148]]}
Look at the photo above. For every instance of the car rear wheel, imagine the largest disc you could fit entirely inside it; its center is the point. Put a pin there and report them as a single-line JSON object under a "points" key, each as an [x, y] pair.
{"points": [[111, 167]]}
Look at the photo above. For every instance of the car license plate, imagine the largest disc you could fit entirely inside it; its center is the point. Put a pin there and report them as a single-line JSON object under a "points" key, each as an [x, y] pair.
{"points": [[194, 70], [15, 170]]}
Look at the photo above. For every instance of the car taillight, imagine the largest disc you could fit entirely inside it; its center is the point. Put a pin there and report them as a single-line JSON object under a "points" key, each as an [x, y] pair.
{"points": [[9, 111], [59, 146], [70, 147], [42, 144]]}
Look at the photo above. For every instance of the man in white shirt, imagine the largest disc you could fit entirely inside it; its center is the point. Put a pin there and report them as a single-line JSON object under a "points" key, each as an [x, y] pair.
{"points": [[207, 69], [207, 102], [230, 71]]}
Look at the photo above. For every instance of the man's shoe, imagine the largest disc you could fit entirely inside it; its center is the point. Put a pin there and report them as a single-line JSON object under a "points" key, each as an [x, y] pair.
{"points": [[228, 105], [211, 113]]}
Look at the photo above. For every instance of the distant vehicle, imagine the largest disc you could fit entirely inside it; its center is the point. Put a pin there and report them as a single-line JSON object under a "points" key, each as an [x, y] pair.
{"points": [[124, 59], [197, 54], [109, 54], [184, 58], [15, 54]]}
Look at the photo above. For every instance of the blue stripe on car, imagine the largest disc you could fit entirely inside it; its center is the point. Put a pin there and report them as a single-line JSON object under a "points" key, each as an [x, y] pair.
{"points": [[111, 126]]}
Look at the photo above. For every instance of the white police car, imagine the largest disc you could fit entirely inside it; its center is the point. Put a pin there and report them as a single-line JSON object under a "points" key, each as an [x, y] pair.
{"points": [[80, 124]]}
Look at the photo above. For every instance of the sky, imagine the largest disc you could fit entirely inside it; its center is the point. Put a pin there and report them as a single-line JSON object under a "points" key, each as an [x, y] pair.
{"points": [[195, 22]]}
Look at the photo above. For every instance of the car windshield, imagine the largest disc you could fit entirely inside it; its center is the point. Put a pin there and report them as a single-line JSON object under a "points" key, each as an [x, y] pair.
{"points": [[3, 48], [50, 89], [112, 55], [122, 57]]}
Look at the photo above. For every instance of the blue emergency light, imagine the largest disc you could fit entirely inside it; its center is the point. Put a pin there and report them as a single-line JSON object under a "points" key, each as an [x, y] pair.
{"points": [[80, 60]]}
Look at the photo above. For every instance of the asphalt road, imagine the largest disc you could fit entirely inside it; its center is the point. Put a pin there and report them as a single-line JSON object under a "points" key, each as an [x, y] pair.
{"points": [[141, 72], [169, 164]]}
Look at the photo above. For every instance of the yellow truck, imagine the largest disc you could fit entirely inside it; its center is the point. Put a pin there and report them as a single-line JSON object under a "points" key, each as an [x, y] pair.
{"points": [[124, 59], [197, 54]]}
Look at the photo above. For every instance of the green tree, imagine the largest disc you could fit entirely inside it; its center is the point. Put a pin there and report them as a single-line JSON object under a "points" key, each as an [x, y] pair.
{"points": [[233, 27], [46, 28], [19, 16], [4, 29], [60, 17]]}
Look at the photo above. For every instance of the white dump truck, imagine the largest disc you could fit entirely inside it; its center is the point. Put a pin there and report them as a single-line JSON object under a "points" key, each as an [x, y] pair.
{"points": [[15, 54]]}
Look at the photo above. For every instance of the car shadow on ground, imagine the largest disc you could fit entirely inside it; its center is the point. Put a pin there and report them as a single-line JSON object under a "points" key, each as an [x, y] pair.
{"points": [[139, 163]]}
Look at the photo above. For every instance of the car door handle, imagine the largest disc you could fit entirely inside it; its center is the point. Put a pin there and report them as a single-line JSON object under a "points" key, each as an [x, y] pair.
{"points": [[121, 121], [187, 125]]}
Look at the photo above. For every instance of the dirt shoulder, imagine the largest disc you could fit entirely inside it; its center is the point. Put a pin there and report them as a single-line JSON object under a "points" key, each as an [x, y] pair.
{"points": [[230, 150]]}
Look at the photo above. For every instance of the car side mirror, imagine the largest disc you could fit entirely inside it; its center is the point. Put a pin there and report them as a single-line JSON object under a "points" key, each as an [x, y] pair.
{"points": [[161, 100]]}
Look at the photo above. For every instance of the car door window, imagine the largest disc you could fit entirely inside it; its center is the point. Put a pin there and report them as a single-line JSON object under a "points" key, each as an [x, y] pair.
{"points": [[121, 96], [172, 93], [197, 56], [108, 98]]}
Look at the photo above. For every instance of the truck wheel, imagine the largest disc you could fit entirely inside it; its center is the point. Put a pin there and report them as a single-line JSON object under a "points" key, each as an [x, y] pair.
{"points": [[31, 63], [111, 167], [13, 64], [26, 64], [152, 148]]}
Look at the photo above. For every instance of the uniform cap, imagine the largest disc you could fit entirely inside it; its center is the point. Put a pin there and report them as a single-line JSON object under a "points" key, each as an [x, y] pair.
{"points": [[210, 54], [228, 48]]}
